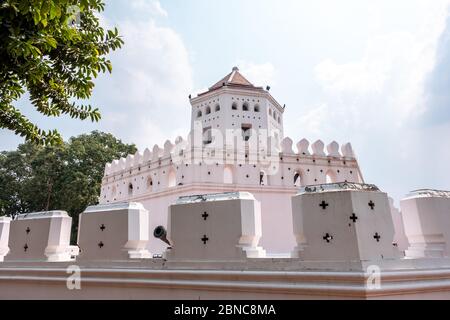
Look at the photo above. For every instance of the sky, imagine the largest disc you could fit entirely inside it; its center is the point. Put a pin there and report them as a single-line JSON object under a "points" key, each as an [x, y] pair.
{"points": [[373, 73]]}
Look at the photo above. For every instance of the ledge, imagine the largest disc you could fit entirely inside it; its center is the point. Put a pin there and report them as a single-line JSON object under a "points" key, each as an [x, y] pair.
{"points": [[271, 284], [428, 193], [156, 280], [341, 186]]}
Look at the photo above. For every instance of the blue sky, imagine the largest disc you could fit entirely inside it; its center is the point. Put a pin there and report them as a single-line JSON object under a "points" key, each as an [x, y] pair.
{"points": [[376, 74]]}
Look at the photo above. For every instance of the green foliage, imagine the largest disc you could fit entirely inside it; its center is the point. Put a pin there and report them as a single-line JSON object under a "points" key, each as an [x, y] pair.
{"points": [[66, 177], [53, 49]]}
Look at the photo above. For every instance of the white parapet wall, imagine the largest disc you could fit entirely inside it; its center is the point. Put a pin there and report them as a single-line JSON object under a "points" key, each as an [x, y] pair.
{"points": [[41, 236], [4, 236], [215, 227], [344, 234], [426, 216], [114, 232], [343, 222]]}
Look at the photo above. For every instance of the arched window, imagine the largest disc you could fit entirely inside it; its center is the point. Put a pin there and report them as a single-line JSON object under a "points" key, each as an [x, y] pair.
{"points": [[256, 108], [245, 106], [130, 189], [217, 108], [279, 119], [227, 175], [262, 178], [275, 115], [297, 179], [208, 110], [199, 113], [270, 112], [234, 106], [172, 180]]}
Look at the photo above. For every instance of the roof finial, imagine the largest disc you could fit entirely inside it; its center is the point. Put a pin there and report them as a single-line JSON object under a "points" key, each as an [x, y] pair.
{"points": [[235, 68]]}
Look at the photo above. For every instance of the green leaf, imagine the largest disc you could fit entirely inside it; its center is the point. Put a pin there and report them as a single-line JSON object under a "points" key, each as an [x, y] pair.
{"points": [[54, 62], [51, 42]]}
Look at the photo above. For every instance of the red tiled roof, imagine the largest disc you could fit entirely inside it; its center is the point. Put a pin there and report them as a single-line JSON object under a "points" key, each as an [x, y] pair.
{"points": [[233, 79]]}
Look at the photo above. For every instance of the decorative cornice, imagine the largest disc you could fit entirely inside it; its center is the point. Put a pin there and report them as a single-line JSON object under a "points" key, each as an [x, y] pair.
{"points": [[114, 206], [41, 215], [339, 187], [215, 197], [214, 187], [233, 282], [429, 193]]}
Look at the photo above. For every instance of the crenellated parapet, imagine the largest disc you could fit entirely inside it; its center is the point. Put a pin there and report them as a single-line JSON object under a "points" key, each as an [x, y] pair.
{"points": [[181, 163], [159, 155]]}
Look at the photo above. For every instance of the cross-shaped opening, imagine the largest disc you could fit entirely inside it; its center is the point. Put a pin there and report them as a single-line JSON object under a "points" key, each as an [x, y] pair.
{"points": [[28, 230], [204, 239], [25, 247], [377, 237], [353, 217], [205, 215], [102, 227], [328, 238], [323, 204], [100, 244], [371, 204]]}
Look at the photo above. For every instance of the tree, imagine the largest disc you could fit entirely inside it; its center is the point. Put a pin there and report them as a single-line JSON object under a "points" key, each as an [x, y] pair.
{"points": [[53, 49], [66, 177]]}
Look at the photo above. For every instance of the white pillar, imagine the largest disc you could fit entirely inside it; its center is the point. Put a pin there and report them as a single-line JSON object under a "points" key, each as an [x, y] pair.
{"points": [[426, 216], [138, 232], [4, 236], [59, 238]]}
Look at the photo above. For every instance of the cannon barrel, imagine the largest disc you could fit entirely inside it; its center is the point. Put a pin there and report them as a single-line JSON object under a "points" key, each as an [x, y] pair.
{"points": [[161, 233]]}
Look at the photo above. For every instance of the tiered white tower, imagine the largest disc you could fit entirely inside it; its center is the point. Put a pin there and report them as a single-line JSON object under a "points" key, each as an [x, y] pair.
{"points": [[233, 103]]}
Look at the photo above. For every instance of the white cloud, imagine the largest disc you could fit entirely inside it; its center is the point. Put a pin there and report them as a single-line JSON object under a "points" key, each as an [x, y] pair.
{"points": [[312, 122], [259, 74], [145, 100], [377, 98], [150, 6], [390, 76], [387, 83]]}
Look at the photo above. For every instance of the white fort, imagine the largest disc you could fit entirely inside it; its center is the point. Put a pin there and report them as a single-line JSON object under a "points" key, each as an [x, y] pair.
{"points": [[232, 211], [232, 111]]}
